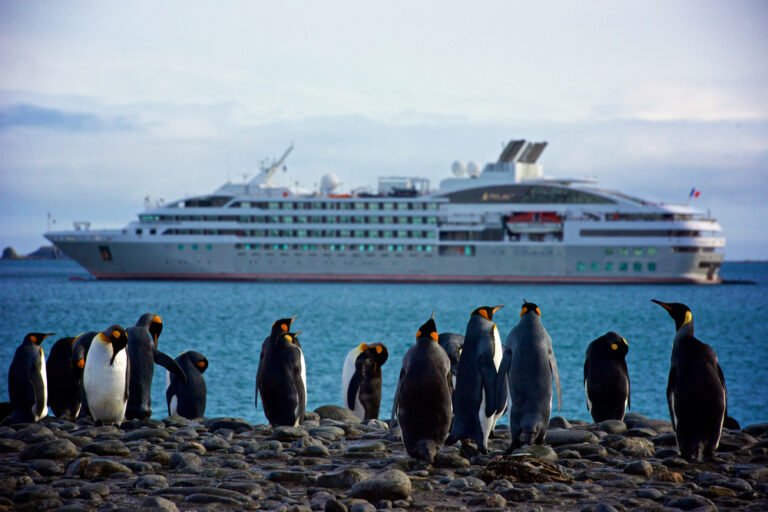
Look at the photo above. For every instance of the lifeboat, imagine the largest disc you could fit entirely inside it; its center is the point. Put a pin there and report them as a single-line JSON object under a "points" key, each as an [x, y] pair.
{"points": [[534, 222]]}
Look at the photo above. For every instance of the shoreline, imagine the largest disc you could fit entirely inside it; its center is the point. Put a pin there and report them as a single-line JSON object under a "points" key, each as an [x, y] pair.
{"points": [[335, 462]]}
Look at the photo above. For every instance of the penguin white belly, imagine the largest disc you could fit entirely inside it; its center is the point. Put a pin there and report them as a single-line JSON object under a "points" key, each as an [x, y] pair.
{"points": [[304, 380], [347, 372], [173, 407], [105, 384], [486, 423], [44, 376], [589, 402], [497, 357]]}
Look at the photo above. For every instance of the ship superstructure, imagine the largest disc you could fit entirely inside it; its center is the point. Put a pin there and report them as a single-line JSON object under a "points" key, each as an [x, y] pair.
{"points": [[507, 223]]}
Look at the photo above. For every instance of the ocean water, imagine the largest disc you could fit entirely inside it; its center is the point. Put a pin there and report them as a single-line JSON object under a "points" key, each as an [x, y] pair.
{"points": [[228, 321]]}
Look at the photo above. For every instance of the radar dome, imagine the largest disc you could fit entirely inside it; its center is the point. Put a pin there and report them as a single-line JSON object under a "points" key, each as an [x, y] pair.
{"points": [[459, 169], [473, 169], [329, 183]]}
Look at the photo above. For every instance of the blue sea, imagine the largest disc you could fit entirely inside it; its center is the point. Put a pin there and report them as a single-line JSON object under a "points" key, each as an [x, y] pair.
{"points": [[228, 321]]}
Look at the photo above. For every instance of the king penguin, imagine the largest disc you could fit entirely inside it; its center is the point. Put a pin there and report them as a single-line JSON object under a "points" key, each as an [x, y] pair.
{"points": [[80, 347], [422, 402], [281, 378], [106, 376], [529, 366], [143, 354], [27, 381], [452, 343], [63, 379], [187, 400], [696, 391], [361, 379], [606, 378], [475, 407]]}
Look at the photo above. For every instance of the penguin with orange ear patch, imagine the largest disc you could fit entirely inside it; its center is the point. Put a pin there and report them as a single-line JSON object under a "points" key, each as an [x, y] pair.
{"points": [[475, 410], [27, 381], [361, 379], [64, 382], [281, 378], [80, 347], [422, 403], [187, 399], [606, 378], [106, 376]]}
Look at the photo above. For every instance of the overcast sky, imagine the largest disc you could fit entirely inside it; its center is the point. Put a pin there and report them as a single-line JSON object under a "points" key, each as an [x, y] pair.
{"points": [[104, 103]]}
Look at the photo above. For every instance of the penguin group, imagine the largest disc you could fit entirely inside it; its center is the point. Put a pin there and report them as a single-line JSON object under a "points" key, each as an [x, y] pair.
{"points": [[104, 375], [450, 388]]}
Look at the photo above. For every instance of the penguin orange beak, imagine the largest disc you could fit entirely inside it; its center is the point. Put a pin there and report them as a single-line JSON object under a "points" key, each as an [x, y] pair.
{"points": [[662, 304]]}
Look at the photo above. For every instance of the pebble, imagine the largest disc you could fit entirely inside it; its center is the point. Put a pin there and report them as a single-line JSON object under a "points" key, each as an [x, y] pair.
{"points": [[158, 503], [640, 468], [389, 485], [111, 447], [55, 449], [559, 437]]}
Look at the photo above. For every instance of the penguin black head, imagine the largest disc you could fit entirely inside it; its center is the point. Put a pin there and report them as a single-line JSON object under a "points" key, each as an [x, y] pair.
{"points": [[36, 338], [529, 307], [680, 313], [487, 312], [614, 343], [153, 323], [377, 351], [116, 336], [199, 360], [428, 330], [282, 326], [290, 338]]}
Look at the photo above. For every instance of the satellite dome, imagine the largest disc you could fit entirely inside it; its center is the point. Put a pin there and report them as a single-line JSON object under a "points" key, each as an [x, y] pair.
{"points": [[473, 169], [329, 183], [459, 169]]}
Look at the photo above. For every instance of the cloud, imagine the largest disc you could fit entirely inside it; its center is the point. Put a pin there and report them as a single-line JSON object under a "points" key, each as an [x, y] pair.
{"points": [[33, 116]]}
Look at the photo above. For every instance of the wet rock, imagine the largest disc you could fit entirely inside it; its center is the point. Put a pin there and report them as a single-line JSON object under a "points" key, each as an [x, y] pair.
{"points": [[111, 447], [451, 459], [640, 468], [559, 437], [731, 441], [185, 460], [469, 482], [214, 443], [519, 494], [538, 451], [33, 433], [334, 412], [288, 433], [649, 493], [635, 447], [234, 424], [333, 505], [205, 499], [361, 506], [56, 449], [151, 482], [281, 475], [102, 468], [45, 467], [193, 447], [145, 433], [698, 503], [612, 426], [342, 479], [559, 422], [584, 449], [11, 445], [367, 447], [756, 429], [644, 432], [389, 485], [158, 503]]}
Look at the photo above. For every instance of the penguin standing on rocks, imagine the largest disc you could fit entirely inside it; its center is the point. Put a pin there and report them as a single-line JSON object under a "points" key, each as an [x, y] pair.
{"points": [[187, 399], [529, 366], [696, 392], [422, 402], [452, 343], [281, 378], [143, 353], [80, 347], [64, 380], [361, 379], [106, 376], [27, 381], [475, 406], [606, 378]]}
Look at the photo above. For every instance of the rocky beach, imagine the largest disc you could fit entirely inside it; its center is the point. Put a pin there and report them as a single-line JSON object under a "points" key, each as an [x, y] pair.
{"points": [[335, 462]]}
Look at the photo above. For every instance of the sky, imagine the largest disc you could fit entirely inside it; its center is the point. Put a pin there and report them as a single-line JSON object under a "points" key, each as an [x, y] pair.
{"points": [[105, 103]]}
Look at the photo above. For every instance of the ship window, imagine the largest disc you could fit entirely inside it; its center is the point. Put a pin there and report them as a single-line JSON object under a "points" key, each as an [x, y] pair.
{"points": [[623, 267], [386, 234], [180, 247], [358, 220], [390, 248], [469, 250], [624, 251], [359, 234], [302, 233], [580, 267], [418, 220], [638, 251], [402, 220], [194, 247], [209, 247], [344, 220], [138, 231], [609, 266], [287, 220], [428, 248], [431, 220], [373, 234], [430, 234], [652, 267], [152, 231], [301, 220], [637, 266], [274, 206], [387, 206], [609, 251], [431, 206], [651, 252], [594, 266], [361, 248], [106, 254], [389, 220], [359, 206], [402, 234]]}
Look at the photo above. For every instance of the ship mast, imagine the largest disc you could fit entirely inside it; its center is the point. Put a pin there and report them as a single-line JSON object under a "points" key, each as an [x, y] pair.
{"points": [[264, 178]]}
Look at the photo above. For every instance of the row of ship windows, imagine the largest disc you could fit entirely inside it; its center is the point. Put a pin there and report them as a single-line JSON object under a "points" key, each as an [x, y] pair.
{"points": [[333, 247], [303, 233], [611, 266], [336, 205], [635, 251], [291, 219]]}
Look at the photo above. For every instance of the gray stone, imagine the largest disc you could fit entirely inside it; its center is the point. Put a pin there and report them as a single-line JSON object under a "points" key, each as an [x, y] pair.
{"points": [[559, 437], [389, 485], [158, 503], [214, 443], [192, 447], [367, 447], [35, 493], [559, 422], [333, 505], [538, 451], [145, 433], [184, 460], [110, 447], [101, 468], [451, 459], [698, 503], [649, 493], [56, 449], [11, 445], [151, 482], [342, 479], [756, 429], [362, 506], [316, 451], [34, 433], [640, 468], [235, 424], [612, 426], [584, 449], [645, 432], [286, 475], [334, 412], [284, 433], [203, 499], [45, 467]]}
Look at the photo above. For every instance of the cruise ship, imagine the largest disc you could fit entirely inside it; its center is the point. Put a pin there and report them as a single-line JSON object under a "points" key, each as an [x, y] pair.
{"points": [[504, 223]]}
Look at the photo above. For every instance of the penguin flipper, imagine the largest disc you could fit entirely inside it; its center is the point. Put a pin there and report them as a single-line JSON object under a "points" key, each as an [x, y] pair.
{"points": [[671, 397], [555, 374], [171, 365], [353, 389], [489, 377], [397, 398]]}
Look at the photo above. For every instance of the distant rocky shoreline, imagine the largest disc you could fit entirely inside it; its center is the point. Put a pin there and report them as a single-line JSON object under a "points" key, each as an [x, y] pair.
{"points": [[334, 462], [44, 252]]}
